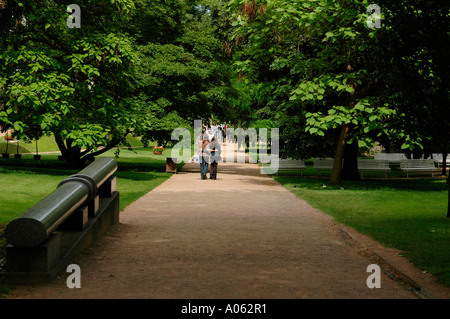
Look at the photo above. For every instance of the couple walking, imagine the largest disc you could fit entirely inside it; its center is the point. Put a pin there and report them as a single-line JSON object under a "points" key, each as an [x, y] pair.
{"points": [[209, 154]]}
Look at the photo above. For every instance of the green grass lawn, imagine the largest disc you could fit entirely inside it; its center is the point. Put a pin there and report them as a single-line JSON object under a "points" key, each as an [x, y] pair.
{"points": [[138, 172], [409, 215], [18, 190], [23, 182]]}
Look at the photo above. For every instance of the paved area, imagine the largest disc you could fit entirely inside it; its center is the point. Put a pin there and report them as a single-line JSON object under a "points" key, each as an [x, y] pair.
{"points": [[240, 236]]}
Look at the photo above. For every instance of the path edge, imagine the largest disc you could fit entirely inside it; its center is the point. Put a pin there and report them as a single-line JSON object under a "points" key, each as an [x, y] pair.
{"points": [[393, 272]]}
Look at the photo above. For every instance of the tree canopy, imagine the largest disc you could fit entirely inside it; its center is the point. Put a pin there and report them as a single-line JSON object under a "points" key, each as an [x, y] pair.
{"points": [[132, 67], [332, 75]]}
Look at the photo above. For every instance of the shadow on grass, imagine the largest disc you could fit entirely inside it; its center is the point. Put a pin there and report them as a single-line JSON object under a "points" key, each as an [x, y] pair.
{"points": [[27, 161], [420, 184], [125, 174], [135, 163], [37, 170], [139, 176]]}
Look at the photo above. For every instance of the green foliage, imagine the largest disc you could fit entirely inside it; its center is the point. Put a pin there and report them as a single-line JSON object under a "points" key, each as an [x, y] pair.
{"points": [[414, 49], [325, 68], [141, 67], [158, 21], [74, 83], [300, 52], [182, 80]]}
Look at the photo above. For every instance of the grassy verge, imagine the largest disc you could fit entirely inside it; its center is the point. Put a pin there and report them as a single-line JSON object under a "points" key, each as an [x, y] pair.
{"points": [[409, 215], [138, 172], [26, 181]]}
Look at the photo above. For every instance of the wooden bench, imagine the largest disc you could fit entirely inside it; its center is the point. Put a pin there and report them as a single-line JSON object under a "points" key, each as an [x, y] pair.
{"points": [[368, 165], [288, 164], [438, 159], [394, 158], [418, 166], [324, 164]]}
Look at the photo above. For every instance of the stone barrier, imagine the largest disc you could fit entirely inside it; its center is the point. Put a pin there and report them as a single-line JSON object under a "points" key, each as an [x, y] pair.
{"points": [[43, 239]]}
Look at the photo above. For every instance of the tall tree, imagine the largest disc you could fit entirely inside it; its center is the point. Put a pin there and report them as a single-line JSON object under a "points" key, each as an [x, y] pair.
{"points": [[142, 67], [416, 43], [419, 44], [72, 82], [322, 60], [181, 73]]}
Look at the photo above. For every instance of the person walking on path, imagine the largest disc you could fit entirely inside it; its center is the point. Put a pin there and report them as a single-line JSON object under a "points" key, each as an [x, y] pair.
{"points": [[216, 151], [224, 134], [198, 153], [204, 159]]}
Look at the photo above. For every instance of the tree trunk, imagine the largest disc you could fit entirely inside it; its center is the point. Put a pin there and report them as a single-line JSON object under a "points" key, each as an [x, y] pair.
{"points": [[337, 165], [350, 169], [113, 143], [336, 174], [76, 157], [72, 155], [444, 163], [60, 142]]}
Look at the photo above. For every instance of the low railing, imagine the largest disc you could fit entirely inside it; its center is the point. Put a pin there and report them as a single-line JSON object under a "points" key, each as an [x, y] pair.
{"points": [[34, 226]]}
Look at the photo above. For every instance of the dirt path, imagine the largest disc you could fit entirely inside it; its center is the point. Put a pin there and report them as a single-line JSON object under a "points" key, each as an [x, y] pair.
{"points": [[240, 236]]}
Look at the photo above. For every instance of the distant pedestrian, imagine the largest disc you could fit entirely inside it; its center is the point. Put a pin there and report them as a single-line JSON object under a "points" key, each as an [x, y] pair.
{"points": [[204, 159], [216, 151], [224, 134]]}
